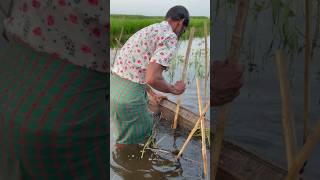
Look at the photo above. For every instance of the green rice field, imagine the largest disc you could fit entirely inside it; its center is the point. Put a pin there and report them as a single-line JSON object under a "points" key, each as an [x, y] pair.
{"points": [[129, 24]]}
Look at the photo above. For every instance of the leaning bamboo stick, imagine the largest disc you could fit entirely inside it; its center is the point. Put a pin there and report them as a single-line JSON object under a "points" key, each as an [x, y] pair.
{"points": [[206, 58], [307, 54], [203, 136], [119, 44], [206, 63], [218, 138], [193, 130], [310, 144], [287, 113], [184, 75], [243, 7], [120, 37]]}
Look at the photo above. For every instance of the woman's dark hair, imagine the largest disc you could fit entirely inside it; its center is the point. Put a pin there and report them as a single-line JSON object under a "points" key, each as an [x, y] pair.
{"points": [[177, 13]]}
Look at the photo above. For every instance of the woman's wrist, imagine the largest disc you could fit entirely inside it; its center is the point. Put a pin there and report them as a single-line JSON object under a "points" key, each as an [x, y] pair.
{"points": [[172, 90]]}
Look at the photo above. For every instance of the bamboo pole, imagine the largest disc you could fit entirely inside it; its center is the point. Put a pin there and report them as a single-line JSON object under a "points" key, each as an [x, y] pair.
{"points": [[184, 74], [218, 138], [243, 7], [287, 112], [304, 153], [203, 136], [119, 44], [193, 130], [307, 53], [206, 63], [206, 58], [120, 37]]}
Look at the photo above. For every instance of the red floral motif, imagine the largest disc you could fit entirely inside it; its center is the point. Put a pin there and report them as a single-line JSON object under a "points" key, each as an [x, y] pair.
{"points": [[85, 49], [62, 2], [37, 31], [94, 2], [73, 18], [96, 32], [162, 53], [35, 4], [50, 20], [25, 7], [55, 55], [145, 57], [10, 20], [104, 65], [106, 26], [139, 61]]}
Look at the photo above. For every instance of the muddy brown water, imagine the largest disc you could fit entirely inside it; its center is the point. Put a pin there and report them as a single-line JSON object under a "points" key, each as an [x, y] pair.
{"points": [[159, 164]]}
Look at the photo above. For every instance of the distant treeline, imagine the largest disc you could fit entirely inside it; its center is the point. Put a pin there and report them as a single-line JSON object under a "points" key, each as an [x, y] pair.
{"points": [[132, 23]]}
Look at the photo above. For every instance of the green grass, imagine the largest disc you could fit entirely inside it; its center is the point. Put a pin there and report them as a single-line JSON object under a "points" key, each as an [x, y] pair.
{"points": [[133, 23]]}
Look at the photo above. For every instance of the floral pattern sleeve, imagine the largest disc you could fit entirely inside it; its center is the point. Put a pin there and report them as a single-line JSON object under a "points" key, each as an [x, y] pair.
{"points": [[154, 43], [165, 51]]}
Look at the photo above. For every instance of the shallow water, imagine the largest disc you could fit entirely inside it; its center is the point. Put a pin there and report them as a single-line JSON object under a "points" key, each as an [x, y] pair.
{"points": [[162, 164]]}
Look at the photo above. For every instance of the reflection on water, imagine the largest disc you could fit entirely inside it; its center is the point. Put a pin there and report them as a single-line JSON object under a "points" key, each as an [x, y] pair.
{"points": [[159, 162], [128, 164]]}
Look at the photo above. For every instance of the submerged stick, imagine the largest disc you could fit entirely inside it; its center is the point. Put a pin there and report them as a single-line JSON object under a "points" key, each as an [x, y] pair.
{"points": [[206, 59], [193, 130], [203, 135], [310, 144], [287, 112], [307, 54], [184, 74]]}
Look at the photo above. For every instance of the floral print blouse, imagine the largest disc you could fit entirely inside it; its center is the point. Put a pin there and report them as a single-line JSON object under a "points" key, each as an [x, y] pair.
{"points": [[75, 30], [155, 43]]}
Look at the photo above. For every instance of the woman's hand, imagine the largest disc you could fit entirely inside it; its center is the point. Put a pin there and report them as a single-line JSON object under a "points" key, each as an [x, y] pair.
{"points": [[154, 97], [159, 97], [227, 82], [178, 88], [155, 79]]}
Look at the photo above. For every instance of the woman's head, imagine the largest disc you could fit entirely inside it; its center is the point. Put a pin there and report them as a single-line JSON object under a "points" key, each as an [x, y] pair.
{"points": [[178, 18]]}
